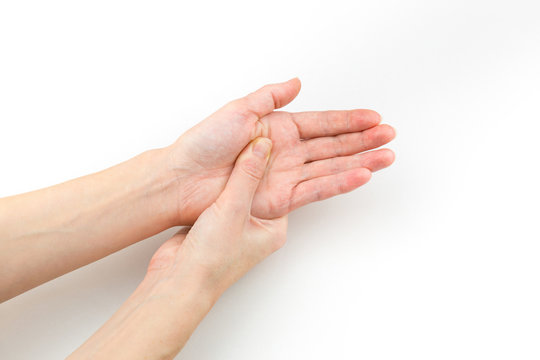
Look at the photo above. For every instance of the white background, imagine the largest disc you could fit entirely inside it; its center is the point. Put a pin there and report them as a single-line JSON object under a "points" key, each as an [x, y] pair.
{"points": [[436, 258]]}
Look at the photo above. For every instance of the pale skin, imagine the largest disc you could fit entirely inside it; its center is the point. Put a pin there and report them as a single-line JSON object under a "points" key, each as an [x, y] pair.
{"points": [[211, 178]]}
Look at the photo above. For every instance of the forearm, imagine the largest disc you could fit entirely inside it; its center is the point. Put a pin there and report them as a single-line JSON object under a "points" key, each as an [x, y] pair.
{"points": [[156, 321], [191, 270], [49, 232]]}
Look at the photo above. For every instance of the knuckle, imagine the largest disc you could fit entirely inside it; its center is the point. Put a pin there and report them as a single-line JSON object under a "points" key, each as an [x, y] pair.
{"points": [[252, 168], [242, 110], [228, 209]]}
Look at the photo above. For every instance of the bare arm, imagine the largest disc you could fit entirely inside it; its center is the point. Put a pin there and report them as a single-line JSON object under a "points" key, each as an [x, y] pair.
{"points": [[316, 155], [48, 232], [191, 270]]}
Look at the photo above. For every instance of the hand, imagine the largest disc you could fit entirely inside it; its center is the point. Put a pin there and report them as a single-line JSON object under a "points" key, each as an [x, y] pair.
{"points": [[315, 155], [227, 239], [190, 271]]}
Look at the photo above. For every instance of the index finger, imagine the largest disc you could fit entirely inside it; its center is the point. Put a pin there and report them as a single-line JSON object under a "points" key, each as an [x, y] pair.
{"points": [[312, 124]]}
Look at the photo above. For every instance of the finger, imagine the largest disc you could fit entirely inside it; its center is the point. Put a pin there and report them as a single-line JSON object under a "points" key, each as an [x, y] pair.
{"points": [[372, 160], [327, 186], [348, 144], [263, 101], [273, 96], [246, 175], [313, 124]]}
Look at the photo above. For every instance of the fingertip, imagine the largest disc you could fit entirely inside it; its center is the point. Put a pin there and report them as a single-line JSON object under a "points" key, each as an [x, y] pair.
{"points": [[378, 117], [253, 160], [390, 156], [249, 169], [377, 160], [366, 117], [381, 134], [296, 82], [261, 147], [281, 93], [358, 177], [385, 157], [365, 173], [294, 86], [390, 130]]}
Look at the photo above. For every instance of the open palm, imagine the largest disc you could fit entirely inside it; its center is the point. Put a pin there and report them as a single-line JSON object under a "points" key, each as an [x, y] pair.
{"points": [[315, 155]]}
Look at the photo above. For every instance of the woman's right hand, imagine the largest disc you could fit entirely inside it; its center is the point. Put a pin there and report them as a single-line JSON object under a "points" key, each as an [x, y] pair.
{"points": [[227, 239], [191, 270]]}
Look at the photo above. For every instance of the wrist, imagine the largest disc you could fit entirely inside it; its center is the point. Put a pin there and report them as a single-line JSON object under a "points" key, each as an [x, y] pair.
{"points": [[190, 187], [179, 273], [176, 303], [164, 184]]}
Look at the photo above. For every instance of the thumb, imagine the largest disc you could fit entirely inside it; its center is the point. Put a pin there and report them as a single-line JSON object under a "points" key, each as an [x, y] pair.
{"points": [[272, 96], [262, 101], [246, 175]]}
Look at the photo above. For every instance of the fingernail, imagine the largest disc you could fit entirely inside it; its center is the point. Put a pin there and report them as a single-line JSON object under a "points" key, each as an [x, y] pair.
{"points": [[262, 147]]}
